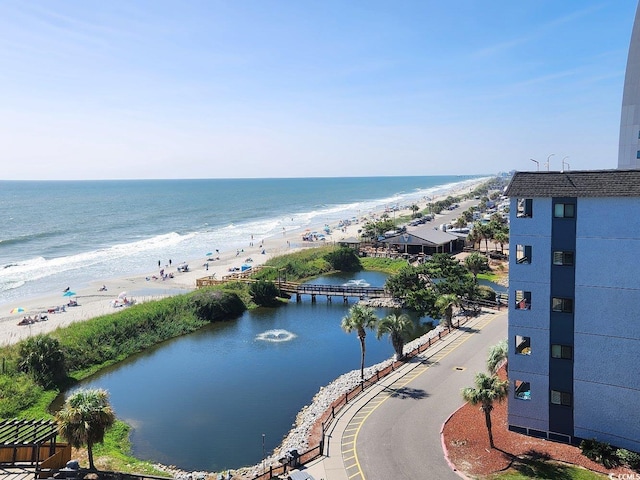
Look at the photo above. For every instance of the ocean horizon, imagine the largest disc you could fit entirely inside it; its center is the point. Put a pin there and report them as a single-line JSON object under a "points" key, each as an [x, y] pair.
{"points": [[72, 233]]}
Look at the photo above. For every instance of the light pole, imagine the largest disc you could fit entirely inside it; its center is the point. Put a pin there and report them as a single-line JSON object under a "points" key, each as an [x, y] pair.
{"points": [[537, 163], [263, 455], [548, 162], [565, 163]]}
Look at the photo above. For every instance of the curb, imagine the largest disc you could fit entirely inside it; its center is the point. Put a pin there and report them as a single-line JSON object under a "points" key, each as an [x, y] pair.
{"points": [[445, 450]]}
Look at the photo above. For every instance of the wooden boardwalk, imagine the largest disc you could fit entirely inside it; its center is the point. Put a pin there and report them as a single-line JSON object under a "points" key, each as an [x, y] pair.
{"points": [[299, 289]]}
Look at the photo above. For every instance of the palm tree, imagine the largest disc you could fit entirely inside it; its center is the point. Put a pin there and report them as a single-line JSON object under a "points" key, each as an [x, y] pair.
{"points": [[414, 210], [498, 353], [399, 327], [489, 388], [359, 319], [473, 237], [501, 237], [445, 304], [84, 419], [485, 232], [476, 263], [460, 222]]}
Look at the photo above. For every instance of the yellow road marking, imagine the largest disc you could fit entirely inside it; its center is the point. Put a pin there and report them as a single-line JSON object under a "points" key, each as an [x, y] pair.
{"points": [[358, 420]]}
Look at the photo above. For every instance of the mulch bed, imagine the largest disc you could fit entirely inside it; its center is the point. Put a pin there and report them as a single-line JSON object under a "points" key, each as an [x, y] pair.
{"points": [[466, 439]]}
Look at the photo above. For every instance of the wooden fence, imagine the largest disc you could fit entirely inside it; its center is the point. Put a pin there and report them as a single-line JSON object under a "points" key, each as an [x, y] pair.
{"points": [[320, 427]]}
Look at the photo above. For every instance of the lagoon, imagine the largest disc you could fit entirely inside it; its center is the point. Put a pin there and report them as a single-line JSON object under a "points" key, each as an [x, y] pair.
{"points": [[203, 401]]}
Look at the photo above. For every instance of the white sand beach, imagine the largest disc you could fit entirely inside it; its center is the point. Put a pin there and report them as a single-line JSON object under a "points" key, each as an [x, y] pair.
{"points": [[92, 302]]}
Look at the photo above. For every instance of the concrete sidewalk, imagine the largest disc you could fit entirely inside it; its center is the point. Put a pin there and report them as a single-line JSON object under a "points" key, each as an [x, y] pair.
{"points": [[331, 466]]}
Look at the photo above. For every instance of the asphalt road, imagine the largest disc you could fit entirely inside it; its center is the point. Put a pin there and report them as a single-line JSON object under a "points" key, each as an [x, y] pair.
{"points": [[400, 438]]}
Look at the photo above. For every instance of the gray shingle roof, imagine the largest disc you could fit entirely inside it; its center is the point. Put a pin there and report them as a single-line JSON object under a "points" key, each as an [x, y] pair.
{"points": [[423, 235], [579, 183]]}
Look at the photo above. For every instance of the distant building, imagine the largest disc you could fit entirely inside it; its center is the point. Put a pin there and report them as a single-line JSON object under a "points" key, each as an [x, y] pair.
{"points": [[574, 313], [629, 147], [426, 240]]}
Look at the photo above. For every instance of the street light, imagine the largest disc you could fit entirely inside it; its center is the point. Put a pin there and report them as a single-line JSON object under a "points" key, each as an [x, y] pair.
{"points": [[537, 163], [548, 163], [566, 163], [263, 454]]}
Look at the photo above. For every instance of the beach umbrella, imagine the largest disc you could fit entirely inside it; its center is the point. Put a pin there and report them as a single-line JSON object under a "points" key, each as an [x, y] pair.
{"points": [[122, 295], [68, 293], [18, 310]]}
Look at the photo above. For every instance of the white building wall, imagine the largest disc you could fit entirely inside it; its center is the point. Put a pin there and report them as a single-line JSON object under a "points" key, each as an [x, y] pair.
{"points": [[607, 321], [630, 114]]}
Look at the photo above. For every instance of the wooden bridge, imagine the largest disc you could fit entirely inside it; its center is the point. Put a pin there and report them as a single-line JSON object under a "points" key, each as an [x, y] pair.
{"points": [[299, 289]]}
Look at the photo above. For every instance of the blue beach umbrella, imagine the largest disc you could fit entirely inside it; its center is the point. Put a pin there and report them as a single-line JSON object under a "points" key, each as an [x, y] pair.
{"points": [[68, 293]]}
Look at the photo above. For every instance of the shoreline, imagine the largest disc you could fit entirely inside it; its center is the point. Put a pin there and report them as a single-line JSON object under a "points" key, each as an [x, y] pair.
{"points": [[143, 287]]}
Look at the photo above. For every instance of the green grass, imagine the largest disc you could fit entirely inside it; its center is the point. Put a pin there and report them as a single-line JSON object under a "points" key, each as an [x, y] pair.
{"points": [[491, 277], [387, 265], [544, 469], [113, 454]]}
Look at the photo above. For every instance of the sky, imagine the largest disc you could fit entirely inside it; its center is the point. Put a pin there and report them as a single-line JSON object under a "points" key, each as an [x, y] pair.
{"points": [[120, 89]]}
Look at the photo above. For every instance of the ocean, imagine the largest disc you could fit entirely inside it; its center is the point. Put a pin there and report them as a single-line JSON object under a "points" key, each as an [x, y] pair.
{"points": [[71, 233]]}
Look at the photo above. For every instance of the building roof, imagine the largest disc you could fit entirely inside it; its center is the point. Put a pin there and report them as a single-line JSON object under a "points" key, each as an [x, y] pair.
{"points": [[579, 183], [422, 235]]}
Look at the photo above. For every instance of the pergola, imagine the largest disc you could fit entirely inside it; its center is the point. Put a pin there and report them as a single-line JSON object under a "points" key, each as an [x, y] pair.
{"points": [[30, 442]]}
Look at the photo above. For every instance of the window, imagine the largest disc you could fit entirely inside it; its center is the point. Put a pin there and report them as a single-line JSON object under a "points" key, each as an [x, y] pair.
{"points": [[523, 300], [638, 152], [563, 258], [564, 210], [562, 351], [564, 305], [525, 207], [523, 253], [560, 398], [523, 345], [522, 390]]}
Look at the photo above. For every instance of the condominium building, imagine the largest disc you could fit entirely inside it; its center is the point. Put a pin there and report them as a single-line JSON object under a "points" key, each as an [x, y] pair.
{"points": [[629, 146], [574, 314]]}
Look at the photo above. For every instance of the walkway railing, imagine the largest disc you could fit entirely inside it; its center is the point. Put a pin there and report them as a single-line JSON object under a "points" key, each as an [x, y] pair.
{"points": [[324, 422]]}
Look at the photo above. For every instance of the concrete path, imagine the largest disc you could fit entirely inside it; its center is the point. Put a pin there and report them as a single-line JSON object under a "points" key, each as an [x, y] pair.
{"points": [[392, 430]]}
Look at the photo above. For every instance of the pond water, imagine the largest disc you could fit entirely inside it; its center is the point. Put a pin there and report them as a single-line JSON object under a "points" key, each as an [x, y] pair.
{"points": [[496, 286], [203, 401]]}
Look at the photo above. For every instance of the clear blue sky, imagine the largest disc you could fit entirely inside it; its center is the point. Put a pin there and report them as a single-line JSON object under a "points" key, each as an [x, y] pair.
{"points": [[262, 88]]}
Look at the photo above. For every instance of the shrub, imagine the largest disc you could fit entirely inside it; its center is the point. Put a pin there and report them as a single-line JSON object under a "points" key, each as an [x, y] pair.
{"points": [[486, 293], [600, 452], [344, 259], [216, 305], [264, 293], [629, 458], [296, 266], [42, 358]]}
